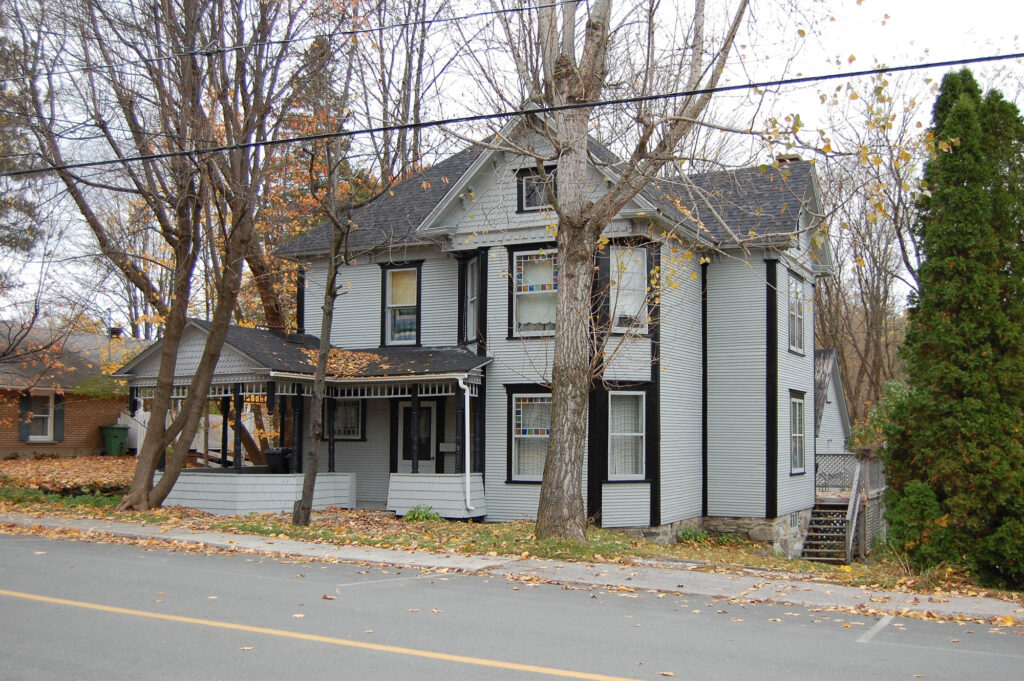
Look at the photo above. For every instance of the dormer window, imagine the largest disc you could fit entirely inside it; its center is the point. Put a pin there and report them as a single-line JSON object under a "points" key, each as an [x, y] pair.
{"points": [[532, 188]]}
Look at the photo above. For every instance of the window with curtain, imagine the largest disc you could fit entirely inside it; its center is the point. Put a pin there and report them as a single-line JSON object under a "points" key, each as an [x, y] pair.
{"points": [[402, 306], [625, 436], [796, 433], [535, 289], [796, 314], [531, 427], [628, 289]]}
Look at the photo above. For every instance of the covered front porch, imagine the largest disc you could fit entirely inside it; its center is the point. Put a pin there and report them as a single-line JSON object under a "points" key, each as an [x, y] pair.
{"points": [[405, 430]]}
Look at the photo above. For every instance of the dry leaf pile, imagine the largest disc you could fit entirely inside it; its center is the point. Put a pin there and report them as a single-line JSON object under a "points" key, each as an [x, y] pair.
{"points": [[70, 475]]}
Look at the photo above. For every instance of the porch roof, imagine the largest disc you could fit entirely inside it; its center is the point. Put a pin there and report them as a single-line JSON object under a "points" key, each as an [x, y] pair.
{"points": [[271, 355]]}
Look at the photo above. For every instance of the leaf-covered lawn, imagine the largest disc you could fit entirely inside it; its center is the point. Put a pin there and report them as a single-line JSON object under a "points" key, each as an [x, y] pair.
{"points": [[23, 483], [69, 475]]}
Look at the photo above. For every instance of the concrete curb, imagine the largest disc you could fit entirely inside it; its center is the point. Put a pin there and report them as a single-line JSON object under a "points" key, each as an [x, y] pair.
{"points": [[638, 577]]}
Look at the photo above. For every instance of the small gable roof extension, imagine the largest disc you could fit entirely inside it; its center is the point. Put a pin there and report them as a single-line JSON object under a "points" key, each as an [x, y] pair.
{"points": [[756, 203], [272, 352], [826, 370]]}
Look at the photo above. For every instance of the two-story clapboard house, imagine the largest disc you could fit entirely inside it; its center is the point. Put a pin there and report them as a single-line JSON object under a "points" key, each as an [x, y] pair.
{"points": [[706, 410]]}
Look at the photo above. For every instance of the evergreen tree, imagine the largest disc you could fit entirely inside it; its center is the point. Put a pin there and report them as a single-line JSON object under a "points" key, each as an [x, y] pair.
{"points": [[958, 436]]}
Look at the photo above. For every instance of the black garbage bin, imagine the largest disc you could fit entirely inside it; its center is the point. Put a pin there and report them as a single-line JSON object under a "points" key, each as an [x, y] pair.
{"points": [[277, 459]]}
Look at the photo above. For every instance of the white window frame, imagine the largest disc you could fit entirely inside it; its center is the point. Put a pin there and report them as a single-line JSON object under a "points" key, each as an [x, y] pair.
{"points": [[471, 300], [622, 259], [797, 440], [49, 416], [641, 434], [530, 176], [519, 437], [392, 308], [796, 313], [519, 289], [339, 422]]}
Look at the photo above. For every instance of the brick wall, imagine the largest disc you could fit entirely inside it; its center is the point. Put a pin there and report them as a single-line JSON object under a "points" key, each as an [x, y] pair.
{"points": [[83, 417]]}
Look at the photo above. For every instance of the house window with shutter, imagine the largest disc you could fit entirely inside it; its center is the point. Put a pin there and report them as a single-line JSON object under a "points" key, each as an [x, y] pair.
{"points": [[626, 436], [627, 293], [41, 417]]}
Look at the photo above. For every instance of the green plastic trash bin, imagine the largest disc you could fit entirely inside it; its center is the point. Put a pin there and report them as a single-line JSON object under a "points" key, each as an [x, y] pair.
{"points": [[115, 439]]}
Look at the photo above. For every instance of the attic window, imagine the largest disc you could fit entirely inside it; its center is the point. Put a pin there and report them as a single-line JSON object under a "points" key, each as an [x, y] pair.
{"points": [[532, 188]]}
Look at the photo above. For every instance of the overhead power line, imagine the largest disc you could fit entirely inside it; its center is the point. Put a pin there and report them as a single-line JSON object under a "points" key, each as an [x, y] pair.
{"points": [[511, 114], [206, 51]]}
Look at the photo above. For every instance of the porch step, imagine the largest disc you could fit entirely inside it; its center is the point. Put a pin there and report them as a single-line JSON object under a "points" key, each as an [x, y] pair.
{"points": [[826, 534]]}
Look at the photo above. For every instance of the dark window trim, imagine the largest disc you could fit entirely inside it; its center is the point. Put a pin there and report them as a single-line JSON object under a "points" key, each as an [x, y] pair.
{"points": [[511, 252], [384, 269], [653, 425], [511, 390], [532, 172]]}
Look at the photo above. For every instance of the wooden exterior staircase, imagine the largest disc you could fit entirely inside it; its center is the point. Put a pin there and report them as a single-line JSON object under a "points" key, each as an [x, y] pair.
{"points": [[826, 534]]}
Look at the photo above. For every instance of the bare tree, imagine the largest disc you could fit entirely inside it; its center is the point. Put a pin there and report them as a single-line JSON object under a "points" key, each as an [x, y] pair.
{"points": [[569, 56], [161, 85]]}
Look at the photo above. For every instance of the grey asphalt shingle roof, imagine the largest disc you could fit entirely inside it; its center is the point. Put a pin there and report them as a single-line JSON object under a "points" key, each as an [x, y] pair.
{"points": [[755, 202], [285, 353], [393, 217]]}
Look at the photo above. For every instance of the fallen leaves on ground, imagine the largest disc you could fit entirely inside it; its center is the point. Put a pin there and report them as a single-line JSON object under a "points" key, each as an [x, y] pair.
{"points": [[70, 475]]}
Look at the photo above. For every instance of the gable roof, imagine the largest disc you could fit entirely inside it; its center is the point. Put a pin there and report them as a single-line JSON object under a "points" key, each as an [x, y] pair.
{"points": [[756, 203], [826, 370], [62, 363], [272, 352], [394, 216]]}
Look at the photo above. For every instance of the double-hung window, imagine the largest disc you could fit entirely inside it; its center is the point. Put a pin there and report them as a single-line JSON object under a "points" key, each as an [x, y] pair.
{"points": [[796, 313], [470, 299], [401, 302], [532, 188], [535, 292], [531, 428], [628, 289], [796, 433], [40, 417], [626, 436]]}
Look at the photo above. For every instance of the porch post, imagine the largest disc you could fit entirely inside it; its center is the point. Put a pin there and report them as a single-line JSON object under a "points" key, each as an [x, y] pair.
{"points": [[297, 419], [239, 404], [331, 406], [460, 428], [225, 411], [282, 419], [414, 427]]}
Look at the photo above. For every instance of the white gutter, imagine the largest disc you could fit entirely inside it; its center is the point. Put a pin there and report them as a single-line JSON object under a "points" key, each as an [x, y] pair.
{"points": [[465, 438]]}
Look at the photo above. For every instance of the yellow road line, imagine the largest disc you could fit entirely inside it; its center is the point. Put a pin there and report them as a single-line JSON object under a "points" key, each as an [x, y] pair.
{"points": [[397, 650]]}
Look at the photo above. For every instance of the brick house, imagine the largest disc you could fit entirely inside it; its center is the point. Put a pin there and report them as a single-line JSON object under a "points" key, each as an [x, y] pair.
{"points": [[54, 396]]}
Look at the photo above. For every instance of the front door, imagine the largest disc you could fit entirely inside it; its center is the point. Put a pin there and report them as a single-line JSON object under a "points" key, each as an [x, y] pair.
{"points": [[427, 443]]}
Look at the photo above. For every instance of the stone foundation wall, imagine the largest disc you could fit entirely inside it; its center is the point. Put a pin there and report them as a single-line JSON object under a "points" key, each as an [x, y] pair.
{"points": [[785, 534]]}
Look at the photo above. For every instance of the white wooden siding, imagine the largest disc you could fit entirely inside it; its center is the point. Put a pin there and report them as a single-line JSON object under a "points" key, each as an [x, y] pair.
{"points": [[370, 460], [190, 352], [736, 387], [626, 504], [796, 372], [356, 309], [680, 376], [444, 493], [238, 494], [628, 358], [439, 302], [831, 437]]}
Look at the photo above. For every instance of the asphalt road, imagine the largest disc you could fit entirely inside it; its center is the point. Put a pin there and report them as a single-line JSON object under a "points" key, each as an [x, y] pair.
{"points": [[77, 610]]}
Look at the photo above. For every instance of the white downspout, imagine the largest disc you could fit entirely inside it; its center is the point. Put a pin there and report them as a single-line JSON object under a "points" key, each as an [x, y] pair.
{"points": [[465, 439]]}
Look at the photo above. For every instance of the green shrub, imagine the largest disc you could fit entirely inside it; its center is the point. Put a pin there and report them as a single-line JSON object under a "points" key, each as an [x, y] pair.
{"points": [[421, 513], [918, 527]]}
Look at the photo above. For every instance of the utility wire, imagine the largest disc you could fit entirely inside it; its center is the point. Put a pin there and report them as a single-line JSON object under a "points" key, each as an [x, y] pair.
{"points": [[512, 114], [208, 51]]}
